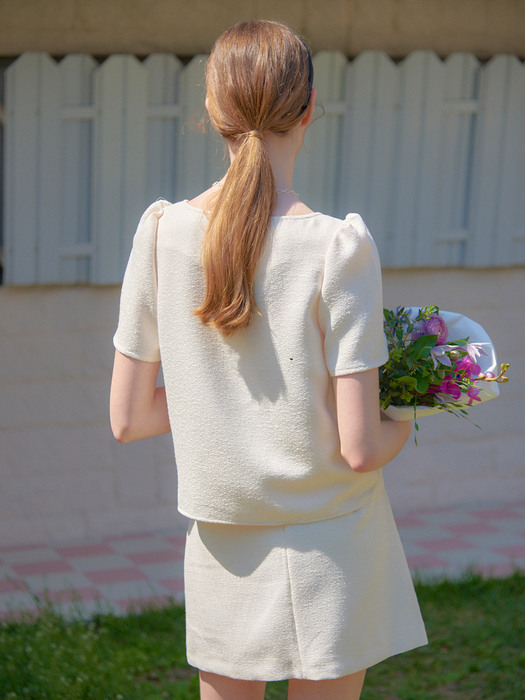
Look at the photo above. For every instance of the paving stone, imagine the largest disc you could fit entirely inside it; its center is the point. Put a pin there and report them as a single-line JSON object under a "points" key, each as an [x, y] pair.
{"points": [[123, 572]]}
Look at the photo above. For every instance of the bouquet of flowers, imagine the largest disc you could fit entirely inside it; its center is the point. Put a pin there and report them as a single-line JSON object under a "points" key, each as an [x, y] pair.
{"points": [[438, 361]]}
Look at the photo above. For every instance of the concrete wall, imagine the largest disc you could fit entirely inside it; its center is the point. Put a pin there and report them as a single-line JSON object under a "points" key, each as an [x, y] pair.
{"points": [[64, 478], [186, 27], [62, 475], [456, 462]]}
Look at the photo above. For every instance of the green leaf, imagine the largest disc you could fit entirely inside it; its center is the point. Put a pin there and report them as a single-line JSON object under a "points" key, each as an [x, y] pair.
{"points": [[421, 347], [422, 385], [407, 380]]}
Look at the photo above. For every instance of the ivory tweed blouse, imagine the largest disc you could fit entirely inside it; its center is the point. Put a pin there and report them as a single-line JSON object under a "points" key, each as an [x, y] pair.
{"points": [[253, 415]]}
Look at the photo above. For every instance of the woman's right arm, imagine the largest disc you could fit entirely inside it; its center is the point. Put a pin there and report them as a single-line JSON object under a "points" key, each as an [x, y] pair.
{"points": [[138, 408], [369, 439]]}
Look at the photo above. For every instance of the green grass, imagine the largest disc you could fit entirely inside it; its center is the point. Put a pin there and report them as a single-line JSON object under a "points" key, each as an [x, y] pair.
{"points": [[475, 626]]}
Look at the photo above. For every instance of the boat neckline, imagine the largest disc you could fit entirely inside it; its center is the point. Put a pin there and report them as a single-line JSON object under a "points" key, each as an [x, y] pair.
{"points": [[282, 216]]}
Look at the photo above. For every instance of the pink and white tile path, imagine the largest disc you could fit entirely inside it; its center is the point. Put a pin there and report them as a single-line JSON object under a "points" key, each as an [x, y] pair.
{"points": [[118, 572], [113, 574], [489, 539]]}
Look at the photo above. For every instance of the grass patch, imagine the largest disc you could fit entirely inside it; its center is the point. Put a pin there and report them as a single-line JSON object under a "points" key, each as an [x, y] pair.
{"points": [[476, 645], [475, 626]]}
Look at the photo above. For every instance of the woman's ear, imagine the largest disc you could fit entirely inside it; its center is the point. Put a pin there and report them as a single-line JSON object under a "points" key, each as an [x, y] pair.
{"points": [[310, 109]]}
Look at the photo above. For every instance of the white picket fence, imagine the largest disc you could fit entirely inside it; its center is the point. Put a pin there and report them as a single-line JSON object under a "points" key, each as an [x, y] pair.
{"points": [[430, 152]]}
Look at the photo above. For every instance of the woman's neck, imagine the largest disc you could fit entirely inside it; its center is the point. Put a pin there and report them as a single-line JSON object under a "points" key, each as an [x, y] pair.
{"points": [[283, 150]]}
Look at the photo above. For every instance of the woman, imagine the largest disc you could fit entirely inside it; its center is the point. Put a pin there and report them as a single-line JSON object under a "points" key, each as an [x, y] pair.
{"points": [[267, 318]]}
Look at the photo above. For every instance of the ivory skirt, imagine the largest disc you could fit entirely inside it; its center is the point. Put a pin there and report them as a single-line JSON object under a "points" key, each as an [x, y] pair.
{"points": [[316, 601]]}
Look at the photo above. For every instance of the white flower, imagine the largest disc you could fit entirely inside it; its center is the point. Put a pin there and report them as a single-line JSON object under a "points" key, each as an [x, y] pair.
{"points": [[475, 350], [439, 355]]}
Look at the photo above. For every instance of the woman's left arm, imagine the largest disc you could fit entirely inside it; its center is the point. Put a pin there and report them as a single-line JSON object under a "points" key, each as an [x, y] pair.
{"points": [[138, 408]]}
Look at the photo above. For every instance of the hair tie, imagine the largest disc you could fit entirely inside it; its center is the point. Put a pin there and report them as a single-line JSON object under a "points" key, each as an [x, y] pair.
{"points": [[256, 133]]}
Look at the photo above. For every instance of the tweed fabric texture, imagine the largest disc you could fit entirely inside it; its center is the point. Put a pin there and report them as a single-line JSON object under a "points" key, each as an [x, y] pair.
{"points": [[253, 415], [317, 600]]}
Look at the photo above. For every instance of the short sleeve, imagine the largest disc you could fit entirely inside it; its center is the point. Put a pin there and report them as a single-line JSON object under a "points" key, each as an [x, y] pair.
{"points": [[137, 334], [351, 305]]}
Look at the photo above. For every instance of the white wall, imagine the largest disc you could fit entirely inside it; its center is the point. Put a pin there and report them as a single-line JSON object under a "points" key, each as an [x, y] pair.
{"points": [[64, 478]]}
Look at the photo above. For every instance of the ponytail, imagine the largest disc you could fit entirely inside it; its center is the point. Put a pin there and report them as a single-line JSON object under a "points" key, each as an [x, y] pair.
{"points": [[235, 237], [258, 79]]}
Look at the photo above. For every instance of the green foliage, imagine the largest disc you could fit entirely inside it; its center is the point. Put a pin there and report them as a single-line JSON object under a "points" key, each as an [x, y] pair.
{"points": [[412, 375], [137, 657], [476, 643], [475, 652]]}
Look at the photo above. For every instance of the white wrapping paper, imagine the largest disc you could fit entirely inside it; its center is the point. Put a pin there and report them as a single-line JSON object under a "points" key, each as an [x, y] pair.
{"points": [[459, 327]]}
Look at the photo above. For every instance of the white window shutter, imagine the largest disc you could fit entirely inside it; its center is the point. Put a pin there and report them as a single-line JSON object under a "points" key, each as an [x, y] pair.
{"points": [[447, 232], [119, 164], [497, 230], [164, 126], [44, 180], [370, 141], [200, 159], [430, 152], [76, 248], [318, 166], [22, 175]]}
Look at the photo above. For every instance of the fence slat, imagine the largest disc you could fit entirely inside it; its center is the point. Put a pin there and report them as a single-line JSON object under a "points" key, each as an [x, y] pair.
{"points": [[358, 134], [431, 153], [369, 163], [487, 162], [119, 168], [428, 221], [460, 108], [509, 237], [408, 180], [164, 125], [21, 171], [317, 169], [50, 175], [382, 154], [497, 235], [200, 160], [76, 246]]}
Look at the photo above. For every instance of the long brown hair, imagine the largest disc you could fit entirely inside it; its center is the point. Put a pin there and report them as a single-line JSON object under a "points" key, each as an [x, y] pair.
{"points": [[258, 80]]}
